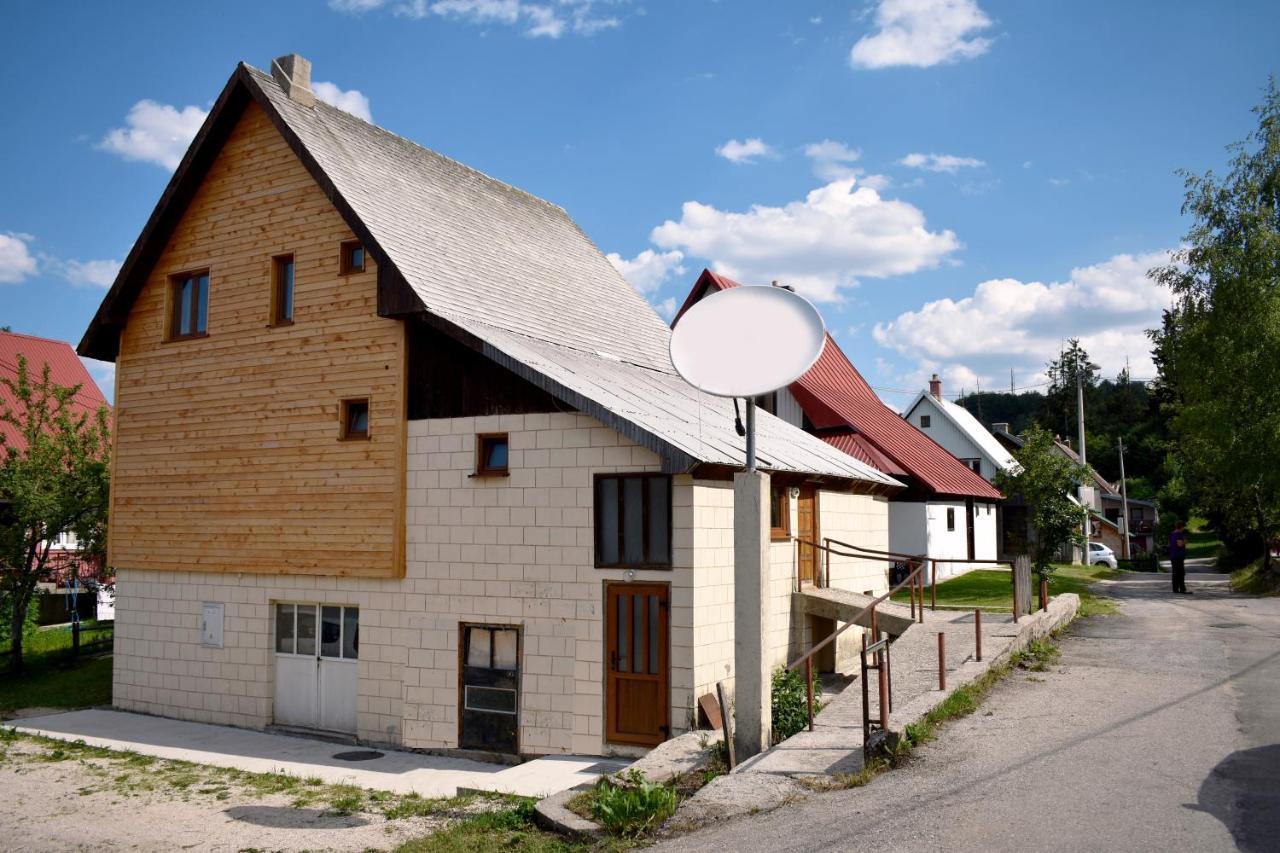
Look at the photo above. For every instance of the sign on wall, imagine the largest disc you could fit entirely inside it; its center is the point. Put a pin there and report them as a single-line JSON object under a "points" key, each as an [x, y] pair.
{"points": [[211, 624]]}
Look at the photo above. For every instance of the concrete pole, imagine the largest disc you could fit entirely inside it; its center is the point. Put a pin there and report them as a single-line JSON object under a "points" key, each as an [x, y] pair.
{"points": [[753, 701], [1124, 497], [751, 433], [1084, 460]]}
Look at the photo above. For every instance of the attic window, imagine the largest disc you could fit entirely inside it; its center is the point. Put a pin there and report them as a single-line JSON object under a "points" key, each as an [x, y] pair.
{"points": [[491, 455], [974, 465], [925, 421], [282, 290], [352, 257], [188, 305], [355, 420]]}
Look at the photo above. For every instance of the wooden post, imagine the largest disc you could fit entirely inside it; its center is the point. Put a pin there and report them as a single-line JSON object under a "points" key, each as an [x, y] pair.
{"points": [[942, 660], [726, 720], [977, 634], [808, 687], [1044, 593]]}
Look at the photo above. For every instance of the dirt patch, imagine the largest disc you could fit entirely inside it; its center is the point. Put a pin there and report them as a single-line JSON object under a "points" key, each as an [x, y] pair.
{"points": [[62, 797]]}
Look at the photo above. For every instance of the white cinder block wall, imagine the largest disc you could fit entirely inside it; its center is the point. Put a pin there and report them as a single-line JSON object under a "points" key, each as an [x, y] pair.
{"points": [[514, 550]]}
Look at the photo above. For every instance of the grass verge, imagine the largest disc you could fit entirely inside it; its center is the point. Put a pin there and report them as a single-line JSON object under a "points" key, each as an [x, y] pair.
{"points": [[80, 684], [1252, 580], [993, 590]]}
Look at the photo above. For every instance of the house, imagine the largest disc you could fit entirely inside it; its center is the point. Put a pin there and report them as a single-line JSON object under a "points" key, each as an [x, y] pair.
{"points": [[401, 456], [945, 511], [67, 561]]}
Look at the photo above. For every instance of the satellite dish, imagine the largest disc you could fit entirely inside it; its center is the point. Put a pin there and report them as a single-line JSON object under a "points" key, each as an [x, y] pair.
{"points": [[747, 341]]}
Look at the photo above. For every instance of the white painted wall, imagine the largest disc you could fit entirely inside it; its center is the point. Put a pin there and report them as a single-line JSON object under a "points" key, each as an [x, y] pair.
{"points": [[953, 440]]}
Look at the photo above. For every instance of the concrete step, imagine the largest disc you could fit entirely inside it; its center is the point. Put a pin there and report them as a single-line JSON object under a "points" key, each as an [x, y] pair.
{"points": [[842, 606]]}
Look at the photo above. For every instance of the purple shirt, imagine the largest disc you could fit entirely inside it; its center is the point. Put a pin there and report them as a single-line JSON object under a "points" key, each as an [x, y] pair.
{"points": [[1178, 544]]}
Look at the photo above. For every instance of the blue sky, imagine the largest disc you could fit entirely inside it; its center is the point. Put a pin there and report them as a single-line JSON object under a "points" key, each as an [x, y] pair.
{"points": [[960, 184]]}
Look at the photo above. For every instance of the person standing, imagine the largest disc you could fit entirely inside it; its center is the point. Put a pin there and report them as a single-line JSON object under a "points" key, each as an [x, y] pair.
{"points": [[1178, 557]]}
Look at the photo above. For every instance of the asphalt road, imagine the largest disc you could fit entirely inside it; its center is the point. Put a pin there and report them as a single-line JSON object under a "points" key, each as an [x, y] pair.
{"points": [[1159, 729]]}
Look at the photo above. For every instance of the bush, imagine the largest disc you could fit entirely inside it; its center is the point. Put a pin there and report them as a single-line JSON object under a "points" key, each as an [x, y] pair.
{"points": [[632, 807], [790, 703]]}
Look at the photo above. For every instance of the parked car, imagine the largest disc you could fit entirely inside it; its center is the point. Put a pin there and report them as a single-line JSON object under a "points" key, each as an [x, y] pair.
{"points": [[1101, 555]]}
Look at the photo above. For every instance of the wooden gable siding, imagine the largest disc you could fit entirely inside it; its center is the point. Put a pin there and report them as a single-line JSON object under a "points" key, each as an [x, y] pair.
{"points": [[227, 455]]}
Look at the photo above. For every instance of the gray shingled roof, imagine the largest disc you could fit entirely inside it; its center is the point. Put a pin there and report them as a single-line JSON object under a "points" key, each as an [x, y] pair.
{"points": [[518, 274]]}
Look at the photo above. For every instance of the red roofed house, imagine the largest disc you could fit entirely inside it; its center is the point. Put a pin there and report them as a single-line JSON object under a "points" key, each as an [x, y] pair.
{"points": [[946, 511], [65, 369]]}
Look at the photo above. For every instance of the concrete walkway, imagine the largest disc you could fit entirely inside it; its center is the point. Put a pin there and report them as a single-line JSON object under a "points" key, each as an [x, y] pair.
{"points": [[258, 752]]}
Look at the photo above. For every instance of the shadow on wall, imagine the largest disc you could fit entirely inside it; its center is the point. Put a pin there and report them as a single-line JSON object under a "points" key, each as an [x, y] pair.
{"points": [[1243, 793]]}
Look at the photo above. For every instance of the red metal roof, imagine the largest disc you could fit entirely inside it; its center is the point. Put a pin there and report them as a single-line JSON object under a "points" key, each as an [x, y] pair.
{"points": [[833, 394], [65, 368]]}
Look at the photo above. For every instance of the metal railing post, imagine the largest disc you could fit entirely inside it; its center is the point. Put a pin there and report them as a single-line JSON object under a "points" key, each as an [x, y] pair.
{"points": [[884, 691], [826, 581], [942, 660], [934, 588], [977, 634], [808, 687], [866, 695]]}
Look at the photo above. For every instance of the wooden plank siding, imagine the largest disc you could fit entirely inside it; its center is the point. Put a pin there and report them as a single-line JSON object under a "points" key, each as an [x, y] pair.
{"points": [[227, 456]]}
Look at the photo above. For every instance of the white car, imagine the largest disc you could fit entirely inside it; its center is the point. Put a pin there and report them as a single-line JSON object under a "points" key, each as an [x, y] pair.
{"points": [[1101, 555]]}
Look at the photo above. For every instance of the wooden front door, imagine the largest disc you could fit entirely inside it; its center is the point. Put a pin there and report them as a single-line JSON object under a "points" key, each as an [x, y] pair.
{"points": [[637, 680], [807, 530]]}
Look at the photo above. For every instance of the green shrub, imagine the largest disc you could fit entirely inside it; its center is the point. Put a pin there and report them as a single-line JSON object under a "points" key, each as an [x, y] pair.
{"points": [[791, 703], [632, 807]]}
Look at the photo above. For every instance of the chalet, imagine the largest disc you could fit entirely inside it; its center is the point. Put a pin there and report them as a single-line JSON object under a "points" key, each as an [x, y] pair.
{"points": [[945, 511], [399, 455], [67, 563]]}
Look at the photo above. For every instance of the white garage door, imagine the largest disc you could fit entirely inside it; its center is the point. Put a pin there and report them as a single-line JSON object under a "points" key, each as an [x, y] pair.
{"points": [[317, 647]]}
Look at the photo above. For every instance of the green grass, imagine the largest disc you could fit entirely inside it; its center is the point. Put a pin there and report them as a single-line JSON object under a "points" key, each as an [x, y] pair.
{"points": [[77, 685], [1201, 541], [993, 590], [58, 639], [508, 829], [1252, 580]]}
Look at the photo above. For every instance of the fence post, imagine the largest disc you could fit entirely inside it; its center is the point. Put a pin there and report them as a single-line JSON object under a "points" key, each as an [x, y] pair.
{"points": [[942, 660], [1044, 593], [934, 589], [808, 687], [977, 634]]}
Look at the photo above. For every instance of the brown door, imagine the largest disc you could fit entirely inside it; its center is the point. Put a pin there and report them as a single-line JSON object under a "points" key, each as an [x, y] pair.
{"points": [[637, 680], [807, 530]]}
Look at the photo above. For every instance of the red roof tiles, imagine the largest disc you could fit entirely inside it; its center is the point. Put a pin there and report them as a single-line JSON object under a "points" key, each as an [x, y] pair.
{"points": [[834, 396], [65, 368]]}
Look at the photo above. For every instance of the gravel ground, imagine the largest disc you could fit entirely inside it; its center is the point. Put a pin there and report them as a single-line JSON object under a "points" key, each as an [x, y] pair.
{"points": [[59, 800], [1156, 730]]}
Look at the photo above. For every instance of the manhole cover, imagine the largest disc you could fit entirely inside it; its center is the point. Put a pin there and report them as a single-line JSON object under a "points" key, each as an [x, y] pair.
{"points": [[358, 755]]}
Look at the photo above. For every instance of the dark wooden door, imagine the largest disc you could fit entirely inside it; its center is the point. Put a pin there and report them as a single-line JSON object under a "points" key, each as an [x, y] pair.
{"points": [[489, 704], [968, 521], [807, 530], [638, 671]]}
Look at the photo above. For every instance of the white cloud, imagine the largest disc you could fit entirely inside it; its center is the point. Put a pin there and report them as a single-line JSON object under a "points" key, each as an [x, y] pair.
{"points": [[948, 163], [745, 152], [922, 33], [351, 100], [550, 19], [16, 262], [104, 376], [667, 308], [1008, 323], [831, 159], [155, 133], [648, 270], [838, 233], [93, 273]]}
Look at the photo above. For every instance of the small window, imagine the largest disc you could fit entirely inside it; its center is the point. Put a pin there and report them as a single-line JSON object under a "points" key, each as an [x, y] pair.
{"points": [[355, 420], [282, 290], [951, 518], [974, 465], [769, 402], [491, 455], [633, 521], [925, 421], [352, 257], [338, 629], [779, 513], [188, 306]]}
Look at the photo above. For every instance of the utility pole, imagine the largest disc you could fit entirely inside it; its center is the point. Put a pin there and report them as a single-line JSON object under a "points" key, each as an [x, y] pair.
{"points": [[1124, 497], [1010, 380], [1084, 505]]}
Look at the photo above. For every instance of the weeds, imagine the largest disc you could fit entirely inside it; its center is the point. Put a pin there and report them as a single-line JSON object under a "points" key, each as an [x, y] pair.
{"points": [[633, 805]]}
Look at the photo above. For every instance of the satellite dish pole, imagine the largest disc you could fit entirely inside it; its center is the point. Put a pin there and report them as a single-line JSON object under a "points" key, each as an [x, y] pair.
{"points": [[746, 342]]}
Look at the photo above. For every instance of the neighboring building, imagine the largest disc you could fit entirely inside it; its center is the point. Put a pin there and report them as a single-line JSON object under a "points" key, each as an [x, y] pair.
{"points": [[66, 559], [400, 455], [946, 511]]}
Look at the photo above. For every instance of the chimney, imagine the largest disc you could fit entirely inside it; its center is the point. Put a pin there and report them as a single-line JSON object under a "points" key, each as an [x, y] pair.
{"points": [[935, 387], [293, 73], [1000, 428]]}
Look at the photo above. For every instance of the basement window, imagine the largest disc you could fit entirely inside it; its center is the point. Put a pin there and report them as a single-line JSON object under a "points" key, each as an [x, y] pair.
{"points": [[633, 521], [491, 455], [352, 257], [188, 305], [355, 420]]}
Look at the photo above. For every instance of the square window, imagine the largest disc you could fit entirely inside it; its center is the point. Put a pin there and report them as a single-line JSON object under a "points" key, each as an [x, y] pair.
{"points": [[282, 290], [491, 455], [352, 257], [925, 421], [633, 521], [188, 306], [355, 420]]}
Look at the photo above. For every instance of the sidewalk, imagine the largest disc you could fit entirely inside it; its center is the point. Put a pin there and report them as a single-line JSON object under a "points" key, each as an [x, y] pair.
{"points": [[258, 752]]}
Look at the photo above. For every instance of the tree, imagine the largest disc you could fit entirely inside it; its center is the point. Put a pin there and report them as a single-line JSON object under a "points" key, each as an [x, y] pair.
{"points": [[1060, 403], [58, 483], [1218, 349], [1045, 481]]}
